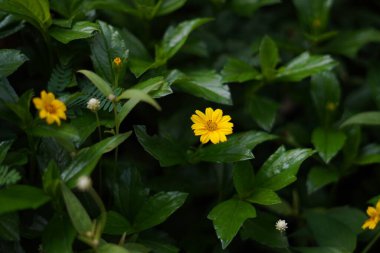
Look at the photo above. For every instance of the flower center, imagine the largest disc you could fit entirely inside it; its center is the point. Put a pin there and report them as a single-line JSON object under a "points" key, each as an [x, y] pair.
{"points": [[50, 108], [211, 126]]}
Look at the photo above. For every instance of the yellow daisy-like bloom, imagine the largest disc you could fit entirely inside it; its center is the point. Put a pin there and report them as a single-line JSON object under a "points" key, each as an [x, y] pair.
{"points": [[374, 217], [117, 61], [50, 109], [212, 125]]}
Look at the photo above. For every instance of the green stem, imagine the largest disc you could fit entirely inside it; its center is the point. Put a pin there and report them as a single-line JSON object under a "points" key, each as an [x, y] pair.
{"points": [[296, 203], [117, 126], [117, 77], [98, 126], [103, 213], [371, 243]]}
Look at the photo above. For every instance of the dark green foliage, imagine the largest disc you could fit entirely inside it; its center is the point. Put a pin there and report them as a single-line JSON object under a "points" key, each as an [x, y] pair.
{"points": [[124, 171]]}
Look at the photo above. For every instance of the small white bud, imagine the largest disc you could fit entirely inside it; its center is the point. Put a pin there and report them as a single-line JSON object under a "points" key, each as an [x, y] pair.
{"points": [[281, 225], [93, 104], [111, 97], [83, 183]]}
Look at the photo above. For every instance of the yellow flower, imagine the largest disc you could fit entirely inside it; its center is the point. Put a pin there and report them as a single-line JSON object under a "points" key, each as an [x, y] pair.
{"points": [[212, 126], [51, 109], [117, 61], [374, 217]]}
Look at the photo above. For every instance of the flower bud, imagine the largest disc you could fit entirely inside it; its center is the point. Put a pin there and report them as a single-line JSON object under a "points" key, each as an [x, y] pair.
{"points": [[93, 104]]}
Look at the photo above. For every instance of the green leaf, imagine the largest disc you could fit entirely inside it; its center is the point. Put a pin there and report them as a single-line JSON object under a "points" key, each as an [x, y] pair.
{"points": [[168, 6], [58, 235], [319, 177], [9, 227], [136, 248], [117, 224], [99, 82], [80, 30], [4, 147], [248, 7], [329, 232], [373, 79], [269, 57], [263, 111], [62, 77], [239, 71], [167, 151], [7, 93], [228, 217], [327, 142], [35, 12], [363, 118], [243, 178], [314, 15], [157, 209], [22, 109], [85, 161], [264, 196], [78, 215], [64, 132], [370, 154], [9, 24], [156, 87], [237, 148], [304, 66], [51, 179], [8, 176], [20, 197], [128, 191], [174, 38], [139, 95], [10, 61], [351, 217], [325, 92], [281, 168], [67, 8], [352, 144], [161, 247], [109, 247], [205, 84], [139, 58], [318, 250], [263, 231], [105, 47], [349, 43]]}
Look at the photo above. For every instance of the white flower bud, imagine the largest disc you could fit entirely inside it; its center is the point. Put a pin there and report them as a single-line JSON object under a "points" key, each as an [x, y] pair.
{"points": [[83, 183], [281, 225], [111, 97], [93, 104]]}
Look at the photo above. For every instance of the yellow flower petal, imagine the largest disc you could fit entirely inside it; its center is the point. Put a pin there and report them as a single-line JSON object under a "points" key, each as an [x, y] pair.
{"points": [[200, 132], [214, 137], [225, 118], [197, 119], [217, 115], [50, 109], [38, 103], [205, 138], [211, 125], [201, 115], [378, 207], [209, 113], [222, 137], [371, 211]]}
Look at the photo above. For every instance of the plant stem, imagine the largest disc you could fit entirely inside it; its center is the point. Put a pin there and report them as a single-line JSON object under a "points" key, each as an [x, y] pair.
{"points": [[116, 128], [98, 126], [371, 243]]}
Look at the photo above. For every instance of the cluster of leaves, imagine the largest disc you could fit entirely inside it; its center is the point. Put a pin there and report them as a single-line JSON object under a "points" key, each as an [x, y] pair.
{"points": [[300, 81]]}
